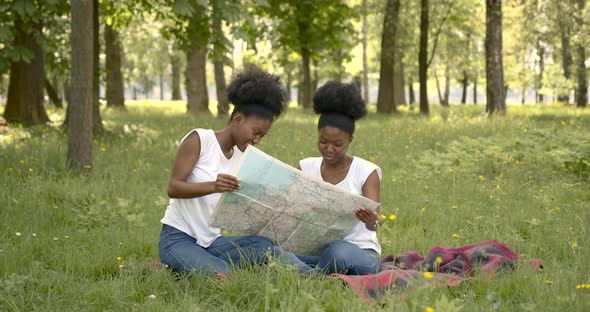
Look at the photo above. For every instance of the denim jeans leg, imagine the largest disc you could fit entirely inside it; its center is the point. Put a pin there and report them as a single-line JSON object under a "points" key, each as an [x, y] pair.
{"points": [[346, 258], [292, 259], [182, 253], [241, 250]]}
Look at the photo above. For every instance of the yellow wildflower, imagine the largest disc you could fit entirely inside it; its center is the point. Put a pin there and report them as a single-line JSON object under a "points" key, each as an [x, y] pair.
{"points": [[439, 260], [429, 309], [481, 178], [427, 275], [455, 235], [392, 217], [383, 217]]}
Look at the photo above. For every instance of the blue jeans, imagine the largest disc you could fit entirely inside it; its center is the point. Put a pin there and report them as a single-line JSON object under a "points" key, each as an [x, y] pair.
{"points": [[345, 258], [182, 253]]}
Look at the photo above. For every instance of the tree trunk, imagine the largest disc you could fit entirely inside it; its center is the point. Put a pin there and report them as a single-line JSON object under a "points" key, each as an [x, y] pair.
{"points": [[440, 96], [306, 92], [222, 101], [447, 87], [523, 96], [175, 64], [411, 92], [385, 98], [115, 89], [300, 85], [464, 84], [399, 95], [161, 80], [79, 154], [365, 62], [315, 76], [566, 56], [475, 90], [495, 91], [540, 98], [582, 81], [289, 83], [52, 93], [422, 56], [96, 120], [196, 82], [24, 102]]}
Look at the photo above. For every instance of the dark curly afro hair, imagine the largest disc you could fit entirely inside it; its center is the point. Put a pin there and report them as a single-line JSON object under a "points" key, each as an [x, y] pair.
{"points": [[254, 91], [339, 98]]}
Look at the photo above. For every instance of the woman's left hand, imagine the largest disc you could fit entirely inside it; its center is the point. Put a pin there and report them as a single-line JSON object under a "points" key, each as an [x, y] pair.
{"points": [[368, 217]]}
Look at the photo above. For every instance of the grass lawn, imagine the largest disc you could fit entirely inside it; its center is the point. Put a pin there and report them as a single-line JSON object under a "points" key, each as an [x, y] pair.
{"points": [[70, 242]]}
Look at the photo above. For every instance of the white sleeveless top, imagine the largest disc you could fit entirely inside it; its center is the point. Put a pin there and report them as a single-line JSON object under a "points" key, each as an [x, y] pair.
{"points": [[359, 172], [191, 215]]}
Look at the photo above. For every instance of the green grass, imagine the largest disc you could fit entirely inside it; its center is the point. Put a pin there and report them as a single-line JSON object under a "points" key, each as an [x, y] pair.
{"points": [[522, 179]]}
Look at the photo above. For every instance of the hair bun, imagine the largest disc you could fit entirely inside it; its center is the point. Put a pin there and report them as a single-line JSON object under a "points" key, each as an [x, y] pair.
{"points": [[339, 98], [253, 86]]}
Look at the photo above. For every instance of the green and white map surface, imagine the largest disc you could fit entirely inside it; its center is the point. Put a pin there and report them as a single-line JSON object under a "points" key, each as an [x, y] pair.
{"points": [[301, 214]]}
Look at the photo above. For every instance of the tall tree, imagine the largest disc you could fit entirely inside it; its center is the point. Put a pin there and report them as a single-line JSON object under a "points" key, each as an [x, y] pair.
{"points": [[220, 44], [114, 78], [196, 62], [582, 79], [385, 99], [96, 120], [422, 56], [79, 155], [26, 58], [566, 55], [365, 32], [310, 28], [495, 90], [175, 64]]}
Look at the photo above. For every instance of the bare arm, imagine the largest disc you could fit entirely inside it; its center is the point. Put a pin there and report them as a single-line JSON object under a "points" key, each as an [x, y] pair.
{"points": [[186, 158], [371, 190]]}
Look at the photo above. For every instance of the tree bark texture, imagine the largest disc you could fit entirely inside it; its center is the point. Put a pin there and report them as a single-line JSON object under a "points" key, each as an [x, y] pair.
{"points": [[365, 62], [96, 120], [422, 56], [385, 97], [306, 86], [24, 102], [196, 82], [582, 79], [495, 91], [114, 89], [79, 155], [175, 64]]}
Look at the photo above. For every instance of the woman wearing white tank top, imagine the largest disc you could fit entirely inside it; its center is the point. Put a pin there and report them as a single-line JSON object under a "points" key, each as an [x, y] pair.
{"points": [[187, 242], [339, 106]]}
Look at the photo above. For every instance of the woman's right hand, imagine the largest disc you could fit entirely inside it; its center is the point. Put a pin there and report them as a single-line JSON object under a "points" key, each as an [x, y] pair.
{"points": [[226, 183]]}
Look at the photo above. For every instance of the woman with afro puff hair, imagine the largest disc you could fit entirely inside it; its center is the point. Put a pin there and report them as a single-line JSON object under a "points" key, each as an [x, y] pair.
{"points": [[199, 176], [339, 106]]}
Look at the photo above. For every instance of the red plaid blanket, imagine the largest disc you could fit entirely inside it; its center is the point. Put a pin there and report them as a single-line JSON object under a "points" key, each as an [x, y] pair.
{"points": [[450, 267]]}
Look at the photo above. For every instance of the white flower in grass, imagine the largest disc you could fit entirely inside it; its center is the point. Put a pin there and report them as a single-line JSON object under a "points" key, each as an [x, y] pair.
{"points": [[55, 238], [17, 233], [34, 235], [152, 297]]}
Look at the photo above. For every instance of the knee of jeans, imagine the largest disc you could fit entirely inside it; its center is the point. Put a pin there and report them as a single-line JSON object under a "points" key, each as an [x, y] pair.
{"points": [[338, 250], [262, 243]]}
